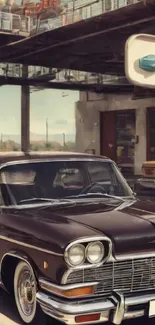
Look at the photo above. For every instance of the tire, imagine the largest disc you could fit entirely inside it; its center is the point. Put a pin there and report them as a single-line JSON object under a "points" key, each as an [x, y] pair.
{"points": [[25, 289]]}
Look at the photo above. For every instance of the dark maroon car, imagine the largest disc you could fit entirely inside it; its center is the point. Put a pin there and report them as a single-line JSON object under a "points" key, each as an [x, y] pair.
{"points": [[75, 243]]}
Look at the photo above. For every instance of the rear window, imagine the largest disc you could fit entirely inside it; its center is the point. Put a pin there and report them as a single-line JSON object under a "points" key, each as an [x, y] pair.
{"points": [[100, 172], [19, 177], [69, 177]]}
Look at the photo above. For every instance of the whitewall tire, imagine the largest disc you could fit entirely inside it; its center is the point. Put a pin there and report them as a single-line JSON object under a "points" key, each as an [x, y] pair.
{"points": [[25, 289]]}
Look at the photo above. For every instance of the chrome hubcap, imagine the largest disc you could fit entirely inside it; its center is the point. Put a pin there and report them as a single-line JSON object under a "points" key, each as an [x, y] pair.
{"points": [[26, 292]]}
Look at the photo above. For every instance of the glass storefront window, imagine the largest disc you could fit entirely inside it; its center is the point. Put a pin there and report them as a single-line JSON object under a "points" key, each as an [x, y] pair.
{"points": [[52, 120], [10, 121]]}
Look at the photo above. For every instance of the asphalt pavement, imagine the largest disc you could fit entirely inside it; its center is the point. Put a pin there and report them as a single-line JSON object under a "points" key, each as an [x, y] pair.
{"points": [[9, 316]]}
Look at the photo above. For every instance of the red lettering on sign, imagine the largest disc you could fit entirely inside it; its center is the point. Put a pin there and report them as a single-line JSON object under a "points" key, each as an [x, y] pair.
{"points": [[45, 4], [32, 8], [38, 7]]}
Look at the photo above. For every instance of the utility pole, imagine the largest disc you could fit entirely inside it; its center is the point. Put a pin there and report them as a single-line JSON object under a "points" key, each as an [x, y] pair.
{"points": [[46, 133], [64, 140]]}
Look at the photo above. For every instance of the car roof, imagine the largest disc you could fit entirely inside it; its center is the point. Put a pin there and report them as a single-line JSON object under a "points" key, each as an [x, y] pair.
{"points": [[11, 158]]}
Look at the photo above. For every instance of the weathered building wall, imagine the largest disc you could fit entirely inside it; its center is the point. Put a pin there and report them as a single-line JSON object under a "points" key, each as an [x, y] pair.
{"points": [[88, 121]]}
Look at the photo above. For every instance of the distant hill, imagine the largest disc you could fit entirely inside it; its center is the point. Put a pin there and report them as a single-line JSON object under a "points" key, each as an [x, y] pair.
{"points": [[40, 137]]}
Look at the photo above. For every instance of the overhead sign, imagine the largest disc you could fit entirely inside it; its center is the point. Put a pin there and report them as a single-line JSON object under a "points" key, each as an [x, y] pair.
{"points": [[35, 8], [140, 60], [28, 7]]}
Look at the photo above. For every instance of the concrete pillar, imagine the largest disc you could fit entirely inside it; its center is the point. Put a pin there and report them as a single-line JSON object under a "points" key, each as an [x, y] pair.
{"points": [[87, 128], [25, 113]]}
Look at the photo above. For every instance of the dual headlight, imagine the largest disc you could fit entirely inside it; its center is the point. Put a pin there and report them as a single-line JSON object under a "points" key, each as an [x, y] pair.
{"points": [[77, 254]]}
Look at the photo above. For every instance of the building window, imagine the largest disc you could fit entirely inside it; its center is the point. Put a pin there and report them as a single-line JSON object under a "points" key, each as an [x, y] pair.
{"points": [[10, 121], [69, 178], [52, 120]]}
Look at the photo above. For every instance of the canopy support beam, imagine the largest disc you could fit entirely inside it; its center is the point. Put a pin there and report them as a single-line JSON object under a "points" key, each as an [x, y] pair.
{"points": [[25, 113]]}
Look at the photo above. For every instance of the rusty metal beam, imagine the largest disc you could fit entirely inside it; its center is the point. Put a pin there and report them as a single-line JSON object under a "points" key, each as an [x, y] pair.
{"points": [[66, 47], [42, 49], [43, 83]]}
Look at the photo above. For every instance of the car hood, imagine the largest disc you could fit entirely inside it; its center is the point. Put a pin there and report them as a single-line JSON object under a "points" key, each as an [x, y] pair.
{"points": [[130, 225]]}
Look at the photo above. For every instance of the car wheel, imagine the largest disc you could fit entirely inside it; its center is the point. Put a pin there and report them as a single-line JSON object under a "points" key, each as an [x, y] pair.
{"points": [[25, 289]]}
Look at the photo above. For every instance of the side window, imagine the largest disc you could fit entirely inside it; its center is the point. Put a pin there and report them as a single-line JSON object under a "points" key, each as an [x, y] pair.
{"points": [[69, 178], [100, 172]]}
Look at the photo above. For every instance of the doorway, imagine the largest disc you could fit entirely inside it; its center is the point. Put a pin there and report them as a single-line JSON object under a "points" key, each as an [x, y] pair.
{"points": [[118, 138]]}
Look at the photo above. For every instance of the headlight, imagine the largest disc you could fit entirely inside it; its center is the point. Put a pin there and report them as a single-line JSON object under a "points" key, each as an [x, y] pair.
{"points": [[95, 252], [75, 255]]}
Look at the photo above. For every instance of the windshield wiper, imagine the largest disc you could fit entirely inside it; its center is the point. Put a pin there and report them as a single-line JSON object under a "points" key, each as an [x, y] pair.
{"points": [[45, 200], [96, 196]]}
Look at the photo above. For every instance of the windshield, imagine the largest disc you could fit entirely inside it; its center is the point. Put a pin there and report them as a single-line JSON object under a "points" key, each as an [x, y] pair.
{"points": [[61, 179]]}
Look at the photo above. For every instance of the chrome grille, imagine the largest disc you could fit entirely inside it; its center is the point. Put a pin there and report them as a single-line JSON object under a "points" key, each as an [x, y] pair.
{"points": [[125, 276]]}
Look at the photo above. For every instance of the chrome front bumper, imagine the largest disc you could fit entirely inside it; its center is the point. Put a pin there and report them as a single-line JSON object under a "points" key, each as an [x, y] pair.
{"points": [[114, 309]]}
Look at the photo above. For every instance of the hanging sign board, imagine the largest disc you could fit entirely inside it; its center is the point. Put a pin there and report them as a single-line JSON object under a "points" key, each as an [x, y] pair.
{"points": [[140, 60], [35, 8]]}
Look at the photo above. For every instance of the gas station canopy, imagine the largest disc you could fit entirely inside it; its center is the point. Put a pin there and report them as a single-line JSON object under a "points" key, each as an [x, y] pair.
{"points": [[93, 45]]}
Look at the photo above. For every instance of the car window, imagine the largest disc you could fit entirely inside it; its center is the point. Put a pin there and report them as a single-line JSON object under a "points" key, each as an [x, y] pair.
{"points": [[68, 178], [100, 172], [19, 177]]}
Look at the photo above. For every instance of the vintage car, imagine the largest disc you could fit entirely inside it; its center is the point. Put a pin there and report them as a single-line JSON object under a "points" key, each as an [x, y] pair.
{"points": [[75, 243], [144, 186]]}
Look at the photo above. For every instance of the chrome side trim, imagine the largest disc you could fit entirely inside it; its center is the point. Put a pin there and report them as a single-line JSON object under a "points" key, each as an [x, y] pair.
{"points": [[130, 256], [89, 240], [29, 246], [43, 283]]}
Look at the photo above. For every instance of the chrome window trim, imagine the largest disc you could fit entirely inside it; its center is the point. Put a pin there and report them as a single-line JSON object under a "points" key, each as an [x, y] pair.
{"points": [[42, 160]]}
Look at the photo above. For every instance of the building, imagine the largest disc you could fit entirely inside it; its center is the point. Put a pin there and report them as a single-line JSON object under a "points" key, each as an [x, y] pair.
{"points": [[117, 126]]}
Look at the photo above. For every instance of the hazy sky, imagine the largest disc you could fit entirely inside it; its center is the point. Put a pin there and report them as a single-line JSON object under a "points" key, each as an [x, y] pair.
{"points": [[43, 104]]}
